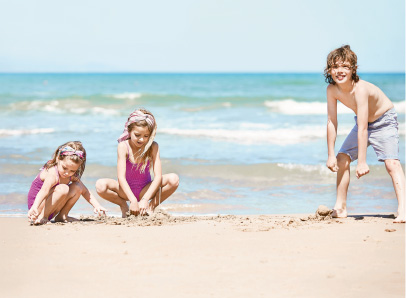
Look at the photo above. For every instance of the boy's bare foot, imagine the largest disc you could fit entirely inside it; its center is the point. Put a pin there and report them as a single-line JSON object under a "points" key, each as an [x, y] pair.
{"points": [[339, 213], [124, 209], [400, 218]]}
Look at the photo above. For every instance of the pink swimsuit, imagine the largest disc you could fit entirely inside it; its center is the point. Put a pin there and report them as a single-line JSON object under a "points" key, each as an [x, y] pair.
{"points": [[36, 186], [135, 179]]}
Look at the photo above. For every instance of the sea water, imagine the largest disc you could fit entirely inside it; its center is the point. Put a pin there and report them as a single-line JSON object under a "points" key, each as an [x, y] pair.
{"points": [[241, 143]]}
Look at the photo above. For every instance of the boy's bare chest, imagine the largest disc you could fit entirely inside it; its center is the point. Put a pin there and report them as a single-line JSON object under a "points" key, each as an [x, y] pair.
{"points": [[348, 100]]}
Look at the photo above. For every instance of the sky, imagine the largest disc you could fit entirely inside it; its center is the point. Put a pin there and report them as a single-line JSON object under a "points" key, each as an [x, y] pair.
{"points": [[198, 35]]}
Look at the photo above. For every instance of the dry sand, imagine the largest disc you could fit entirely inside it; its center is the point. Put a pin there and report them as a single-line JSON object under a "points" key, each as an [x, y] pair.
{"points": [[220, 256]]}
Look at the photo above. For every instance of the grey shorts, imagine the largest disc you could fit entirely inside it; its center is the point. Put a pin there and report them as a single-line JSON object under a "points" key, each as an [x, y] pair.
{"points": [[382, 136]]}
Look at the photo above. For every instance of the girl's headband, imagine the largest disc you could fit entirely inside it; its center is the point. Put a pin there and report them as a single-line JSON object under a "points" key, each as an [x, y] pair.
{"points": [[136, 116], [70, 151]]}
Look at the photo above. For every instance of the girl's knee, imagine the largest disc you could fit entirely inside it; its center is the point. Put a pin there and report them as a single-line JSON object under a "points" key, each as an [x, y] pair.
{"points": [[173, 180], [76, 188], [62, 189], [101, 186]]}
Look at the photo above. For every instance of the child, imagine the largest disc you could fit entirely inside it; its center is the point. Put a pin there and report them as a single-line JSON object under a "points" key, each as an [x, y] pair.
{"points": [[376, 125], [57, 187], [136, 153]]}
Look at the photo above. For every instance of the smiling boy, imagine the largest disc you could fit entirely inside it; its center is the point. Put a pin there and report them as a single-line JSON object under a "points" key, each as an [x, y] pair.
{"points": [[376, 125]]}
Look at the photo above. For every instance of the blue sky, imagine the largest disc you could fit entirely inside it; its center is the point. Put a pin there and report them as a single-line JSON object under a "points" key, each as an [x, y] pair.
{"points": [[198, 35]]}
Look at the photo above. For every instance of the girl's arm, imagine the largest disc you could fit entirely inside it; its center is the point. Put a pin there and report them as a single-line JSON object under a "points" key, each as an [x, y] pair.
{"points": [[91, 199], [157, 182], [122, 181], [49, 181]]}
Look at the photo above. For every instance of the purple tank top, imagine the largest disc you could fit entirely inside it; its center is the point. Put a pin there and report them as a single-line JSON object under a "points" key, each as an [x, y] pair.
{"points": [[36, 187], [135, 179]]}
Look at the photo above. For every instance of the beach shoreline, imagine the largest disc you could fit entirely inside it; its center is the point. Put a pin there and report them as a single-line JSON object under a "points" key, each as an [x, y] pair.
{"points": [[218, 256]]}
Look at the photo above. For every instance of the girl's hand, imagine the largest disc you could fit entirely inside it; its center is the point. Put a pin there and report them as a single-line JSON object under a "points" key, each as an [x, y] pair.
{"points": [[134, 208], [100, 211], [33, 214], [144, 204]]}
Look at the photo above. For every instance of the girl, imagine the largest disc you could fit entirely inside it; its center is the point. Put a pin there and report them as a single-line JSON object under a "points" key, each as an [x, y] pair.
{"points": [[57, 187], [136, 154]]}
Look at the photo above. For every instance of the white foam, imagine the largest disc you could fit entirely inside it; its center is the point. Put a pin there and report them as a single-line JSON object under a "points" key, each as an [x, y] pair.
{"points": [[16, 132], [400, 107], [99, 110], [305, 168], [281, 136], [127, 95], [292, 107]]}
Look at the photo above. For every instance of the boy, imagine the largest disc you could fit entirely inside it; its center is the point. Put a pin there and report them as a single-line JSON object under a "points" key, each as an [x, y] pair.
{"points": [[376, 125]]}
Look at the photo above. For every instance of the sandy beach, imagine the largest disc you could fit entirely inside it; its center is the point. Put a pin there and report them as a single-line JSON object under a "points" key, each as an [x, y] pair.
{"points": [[218, 256]]}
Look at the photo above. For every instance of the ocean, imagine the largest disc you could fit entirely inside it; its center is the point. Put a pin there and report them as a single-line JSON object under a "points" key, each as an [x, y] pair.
{"points": [[240, 143]]}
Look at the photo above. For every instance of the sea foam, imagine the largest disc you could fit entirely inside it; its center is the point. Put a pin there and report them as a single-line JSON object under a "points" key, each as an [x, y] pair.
{"points": [[16, 132], [127, 95], [293, 107], [281, 136]]}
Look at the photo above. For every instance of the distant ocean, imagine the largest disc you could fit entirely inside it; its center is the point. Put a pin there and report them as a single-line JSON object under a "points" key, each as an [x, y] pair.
{"points": [[241, 143]]}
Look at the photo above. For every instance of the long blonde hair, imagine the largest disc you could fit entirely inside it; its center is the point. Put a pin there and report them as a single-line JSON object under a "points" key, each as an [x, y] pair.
{"points": [[76, 145], [144, 154]]}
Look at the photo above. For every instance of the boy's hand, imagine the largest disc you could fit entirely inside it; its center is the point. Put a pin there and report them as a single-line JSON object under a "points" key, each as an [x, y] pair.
{"points": [[332, 164], [362, 169], [134, 208]]}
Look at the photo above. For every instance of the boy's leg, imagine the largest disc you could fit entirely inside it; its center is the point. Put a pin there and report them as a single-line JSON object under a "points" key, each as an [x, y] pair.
{"points": [[384, 138], [343, 181], [109, 189], [395, 170]]}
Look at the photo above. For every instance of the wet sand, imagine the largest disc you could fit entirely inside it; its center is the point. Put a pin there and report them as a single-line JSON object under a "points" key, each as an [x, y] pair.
{"points": [[217, 256]]}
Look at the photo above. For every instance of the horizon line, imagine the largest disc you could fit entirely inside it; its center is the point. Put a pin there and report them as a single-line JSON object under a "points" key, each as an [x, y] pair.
{"points": [[192, 72]]}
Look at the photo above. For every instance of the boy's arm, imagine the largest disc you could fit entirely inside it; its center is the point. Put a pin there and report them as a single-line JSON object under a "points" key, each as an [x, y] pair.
{"points": [[362, 121], [331, 129]]}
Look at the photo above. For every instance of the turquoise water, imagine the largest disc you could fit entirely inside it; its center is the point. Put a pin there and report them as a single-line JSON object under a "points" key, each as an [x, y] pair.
{"points": [[215, 130]]}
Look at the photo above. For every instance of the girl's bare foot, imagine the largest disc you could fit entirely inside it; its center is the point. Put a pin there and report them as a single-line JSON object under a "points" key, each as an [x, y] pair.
{"points": [[124, 209], [65, 218], [41, 221], [339, 213]]}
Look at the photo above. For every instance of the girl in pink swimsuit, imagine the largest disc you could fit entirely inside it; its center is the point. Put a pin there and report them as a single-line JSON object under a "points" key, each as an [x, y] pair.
{"points": [[57, 187], [138, 156]]}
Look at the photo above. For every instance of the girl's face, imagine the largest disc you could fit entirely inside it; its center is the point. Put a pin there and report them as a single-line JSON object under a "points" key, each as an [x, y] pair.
{"points": [[67, 167], [139, 136], [341, 72]]}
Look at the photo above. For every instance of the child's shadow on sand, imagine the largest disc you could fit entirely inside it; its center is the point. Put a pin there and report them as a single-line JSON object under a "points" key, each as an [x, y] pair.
{"points": [[361, 217]]}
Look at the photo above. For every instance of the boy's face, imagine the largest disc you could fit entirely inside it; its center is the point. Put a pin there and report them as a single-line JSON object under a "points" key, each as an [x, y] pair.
{"points": [[341, 72]]}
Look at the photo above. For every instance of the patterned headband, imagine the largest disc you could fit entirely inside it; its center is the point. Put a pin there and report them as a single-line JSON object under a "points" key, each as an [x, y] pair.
{"points": [[70, 151], [136, 116]]}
